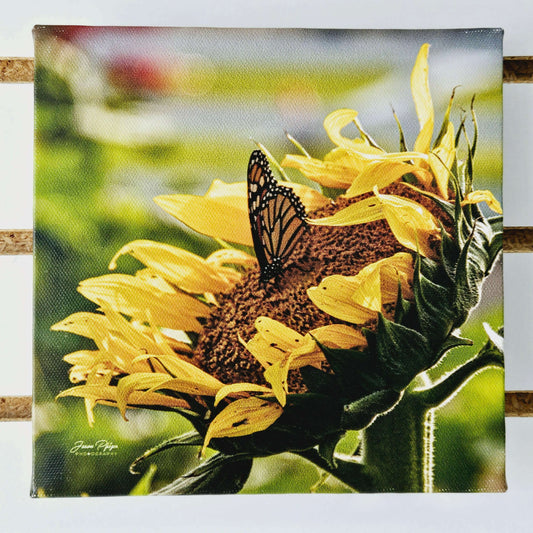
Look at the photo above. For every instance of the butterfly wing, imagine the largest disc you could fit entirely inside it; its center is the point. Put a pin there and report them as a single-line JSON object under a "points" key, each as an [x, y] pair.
{"points": [[277, 217]]}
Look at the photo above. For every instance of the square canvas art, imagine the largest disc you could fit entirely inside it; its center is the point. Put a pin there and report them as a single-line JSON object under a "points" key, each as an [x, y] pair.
{"points": [[267, 261]]}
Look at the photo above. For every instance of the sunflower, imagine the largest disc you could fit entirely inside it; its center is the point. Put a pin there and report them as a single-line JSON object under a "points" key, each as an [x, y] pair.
{"points": [[390, 266]]}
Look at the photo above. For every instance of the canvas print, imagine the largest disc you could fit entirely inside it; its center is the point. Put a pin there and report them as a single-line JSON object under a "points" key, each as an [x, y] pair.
{"points": [[267, 261]]}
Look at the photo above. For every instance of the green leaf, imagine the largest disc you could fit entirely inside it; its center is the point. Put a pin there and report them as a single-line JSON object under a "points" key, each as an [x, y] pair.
{"points": [[361, 413], [221, 474], [187, 439], [144, 485]]}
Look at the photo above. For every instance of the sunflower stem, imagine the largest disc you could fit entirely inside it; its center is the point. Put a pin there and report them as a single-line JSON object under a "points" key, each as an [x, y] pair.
{"points": [[398, 447]]}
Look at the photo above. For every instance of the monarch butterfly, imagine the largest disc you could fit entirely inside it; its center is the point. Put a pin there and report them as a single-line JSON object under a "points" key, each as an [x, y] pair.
{"points": [[277, 217]]}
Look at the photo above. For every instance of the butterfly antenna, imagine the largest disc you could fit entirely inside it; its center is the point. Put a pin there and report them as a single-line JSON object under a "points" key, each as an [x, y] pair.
{"points": [[273, 160]]}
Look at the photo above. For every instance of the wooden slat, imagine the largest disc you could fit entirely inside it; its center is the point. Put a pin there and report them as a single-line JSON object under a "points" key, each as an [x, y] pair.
{"points": [[20, 241], [16, 241], [517, 239], [13, 408], [516, 69], [16, 69], [519, 403]]}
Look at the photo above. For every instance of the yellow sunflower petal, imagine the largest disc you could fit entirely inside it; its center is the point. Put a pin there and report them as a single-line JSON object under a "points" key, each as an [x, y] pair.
{"points": [[412, 224], [366, 210], [359, 298], [327, 174], [186, 372], [381, 174], [82, 357], [188, 271], [231, 256], [339, 336], [92, 325], [108, 394], [311, 199], [243, 417], [476, 197], [236, 388], [422, 100], [398, 268], [441, 159], [278, 334], [277, 375], [337, 120], [368, 292], [222, 213], [134, 297], [334, 296], [139, 381], [188, 386], [261, 349], [137, 337]]}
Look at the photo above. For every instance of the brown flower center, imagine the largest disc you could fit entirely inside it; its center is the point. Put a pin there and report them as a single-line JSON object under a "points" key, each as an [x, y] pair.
{"points": [[322, 251]]}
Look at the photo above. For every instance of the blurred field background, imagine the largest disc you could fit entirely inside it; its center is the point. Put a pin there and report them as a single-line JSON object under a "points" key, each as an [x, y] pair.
{"points": [[123, 115]]}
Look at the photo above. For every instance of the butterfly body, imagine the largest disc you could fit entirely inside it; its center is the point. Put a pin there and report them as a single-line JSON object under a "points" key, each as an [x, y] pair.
{"points": [[277, 217]]}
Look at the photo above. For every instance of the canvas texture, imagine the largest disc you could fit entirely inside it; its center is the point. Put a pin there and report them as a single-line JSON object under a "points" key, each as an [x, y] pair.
{"points": [[267, 261]]}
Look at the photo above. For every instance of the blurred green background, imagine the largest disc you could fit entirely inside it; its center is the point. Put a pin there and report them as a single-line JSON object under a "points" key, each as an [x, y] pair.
{"points": [[123, 115]]}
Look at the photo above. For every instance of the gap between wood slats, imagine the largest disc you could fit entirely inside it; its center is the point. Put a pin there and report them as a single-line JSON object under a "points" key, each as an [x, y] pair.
{"points": [[18, 408]]}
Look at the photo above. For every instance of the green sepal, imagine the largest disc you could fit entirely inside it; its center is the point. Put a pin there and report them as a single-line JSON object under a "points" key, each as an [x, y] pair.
{"points": [[452, 342], [326, 448], [361, 413], [446, 206], [402, 353], [318, 381], [470, 271], [445, 121], [357, 372], [332, 192], [403, 144], [433, 305], [220, 474], [449, 253], [402, 308], [307, 420], [187, 439]]}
